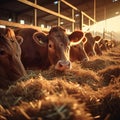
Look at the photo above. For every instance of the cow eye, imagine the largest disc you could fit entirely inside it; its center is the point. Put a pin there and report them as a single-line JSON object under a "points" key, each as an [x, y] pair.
{"points": [[2, 52], [50, 46], [61, 45]]}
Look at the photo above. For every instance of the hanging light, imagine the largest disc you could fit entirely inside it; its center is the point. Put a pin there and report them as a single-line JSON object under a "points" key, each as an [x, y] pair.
{"points": [[55, 2]]}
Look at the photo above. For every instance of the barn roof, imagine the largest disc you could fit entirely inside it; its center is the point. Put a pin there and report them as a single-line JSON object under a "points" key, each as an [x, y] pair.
{"points": [[104, 9]]}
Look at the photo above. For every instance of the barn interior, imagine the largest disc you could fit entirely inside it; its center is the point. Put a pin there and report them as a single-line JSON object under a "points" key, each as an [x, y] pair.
{"points": [[90, 90], [72, 15]]}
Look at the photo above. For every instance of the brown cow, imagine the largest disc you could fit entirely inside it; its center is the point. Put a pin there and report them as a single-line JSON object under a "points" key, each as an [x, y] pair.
{"points": [[102, 45], [40, 50], [77, 52], [90, 45], [11, 67], [106, 44], [109, 43], [96, 46]]}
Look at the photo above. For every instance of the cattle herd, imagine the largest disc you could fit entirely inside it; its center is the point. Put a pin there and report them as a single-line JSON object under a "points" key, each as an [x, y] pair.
{"points": [[26, 48]]}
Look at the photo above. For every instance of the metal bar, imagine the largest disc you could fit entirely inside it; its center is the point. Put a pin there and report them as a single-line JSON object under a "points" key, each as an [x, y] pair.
{"points": [[45, 10]]}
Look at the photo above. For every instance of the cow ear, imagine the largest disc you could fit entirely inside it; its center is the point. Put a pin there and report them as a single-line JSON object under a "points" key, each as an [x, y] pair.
{"points": [[40, 38], [19, 39], [76, 37], [84, 40], [97, 38], [10, 33]]}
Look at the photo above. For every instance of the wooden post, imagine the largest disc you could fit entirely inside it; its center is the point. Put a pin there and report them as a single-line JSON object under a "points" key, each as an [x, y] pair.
{"points": [[95, 10], [73, 25], [59, 13], [35, 14], [46, 10], [81, 20]]}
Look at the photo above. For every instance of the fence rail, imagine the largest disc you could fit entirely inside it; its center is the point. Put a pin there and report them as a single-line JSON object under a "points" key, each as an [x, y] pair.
{"points": [[58, 14]]}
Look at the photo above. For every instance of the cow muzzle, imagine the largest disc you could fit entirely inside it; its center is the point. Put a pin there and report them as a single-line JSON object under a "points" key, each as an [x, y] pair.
{"points": [[62, 65]]}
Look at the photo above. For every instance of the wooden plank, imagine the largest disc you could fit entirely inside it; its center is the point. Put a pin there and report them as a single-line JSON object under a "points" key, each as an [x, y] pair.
{"points": [[45, 10], [94, 9], [68, 4], [35, 15], [83, 13], [18, 25], [59, 12], [73, 25]]}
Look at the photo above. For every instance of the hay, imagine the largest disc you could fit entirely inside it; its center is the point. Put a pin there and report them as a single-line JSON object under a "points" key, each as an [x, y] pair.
{"points": [[51, 108], [109, 74], [90, 90]]}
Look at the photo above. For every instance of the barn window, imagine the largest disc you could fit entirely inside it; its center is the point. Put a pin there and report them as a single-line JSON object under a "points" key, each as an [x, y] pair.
{"points": [[61, 23], [114, 0], [2, 26], [76, 15], [10, 19], [48, 26], [68, 31], [117, 12], [56, 2], [42, 25], [22, 22]]}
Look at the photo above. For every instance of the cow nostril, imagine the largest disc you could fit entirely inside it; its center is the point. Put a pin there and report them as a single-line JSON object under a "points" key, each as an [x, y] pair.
{"points": [[60, 64], [64, 64]]}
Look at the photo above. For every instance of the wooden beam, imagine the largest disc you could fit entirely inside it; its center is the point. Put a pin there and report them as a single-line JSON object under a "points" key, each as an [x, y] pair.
{"points": [[59, 12], [68, 4], [35, 14], [94, 9], [45, 10], [73, 25], [83, 13], [18, 25]]}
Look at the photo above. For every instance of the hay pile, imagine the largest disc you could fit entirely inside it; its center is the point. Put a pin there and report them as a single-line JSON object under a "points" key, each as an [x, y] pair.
{"points": [[90, 91]]}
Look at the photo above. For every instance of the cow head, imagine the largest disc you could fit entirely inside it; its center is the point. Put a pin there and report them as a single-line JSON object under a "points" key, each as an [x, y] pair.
{"points": [[90, 43], [58, 46], [96, 46], [90, 38], [11, 66], [77, 52]]}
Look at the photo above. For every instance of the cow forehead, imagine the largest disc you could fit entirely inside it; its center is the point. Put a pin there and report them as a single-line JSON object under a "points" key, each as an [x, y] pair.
{"points": [[4, 40], [8, 44], [59, 42], [59, 37]]}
